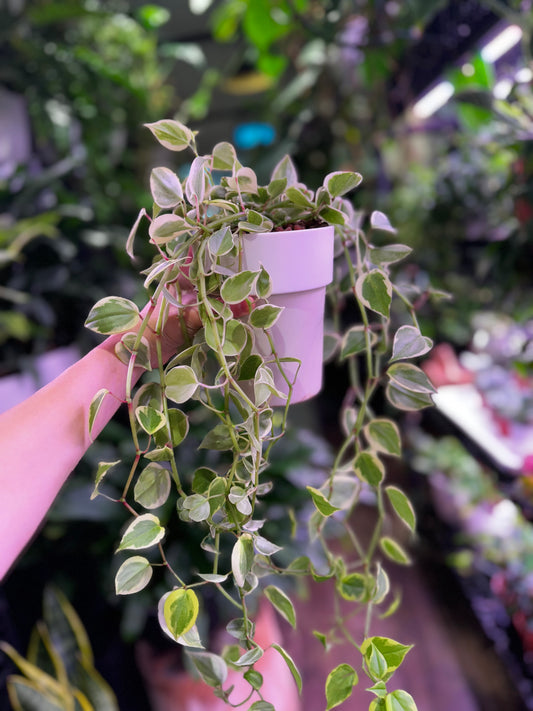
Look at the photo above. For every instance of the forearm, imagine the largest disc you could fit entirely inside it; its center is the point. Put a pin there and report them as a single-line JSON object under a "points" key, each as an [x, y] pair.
{"points": [[44, 438]]}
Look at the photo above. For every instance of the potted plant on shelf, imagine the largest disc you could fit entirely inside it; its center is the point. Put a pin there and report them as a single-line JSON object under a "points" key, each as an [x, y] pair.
{"points": [[216, 235]]}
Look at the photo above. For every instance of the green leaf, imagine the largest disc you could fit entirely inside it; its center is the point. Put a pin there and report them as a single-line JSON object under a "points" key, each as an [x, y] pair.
{"points": [[255, 679], [380, 221], [239, 497], [353, 586], [410, 377], [407, 399], [133, 233], [400, 701], [224, 156], [264, 385], [341, 182], [94, 407], [216, 494], [113, 314], [383, 436], [263, 285], [197, 506], [152, 488], [383, 656], [213, 577], [196, 182], [381, 586], [124, 350], [379, 689], [266, 547], [332, 216], [166, 188], [339, 685], [103, 468], [218, 438], [374, 290], [211, 667], [250, 657], [394, 551], [299, 197], [250, 366], [261, 706], [242, 558], [409, 343], [289, 661], [285, 170], [389, 254], [240, 628], [179, 426], [143, 532], [133, 575], [235, 338], [221, 242], [369, 468], [354, 341], [276, 187], [181, 611], [150, 419], [160, 454], [402, 506], [171, 134], [244, 181], [321, 503], [238, 287], [201, 480], [375, 661], [180, 383], [260, 222], [165, 228], [282, 603], [265, 316]]}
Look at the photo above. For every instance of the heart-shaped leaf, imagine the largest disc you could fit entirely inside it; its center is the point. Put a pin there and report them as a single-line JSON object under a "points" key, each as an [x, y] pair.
{"points": [[374, 290], [411, 378], [180, 611], [172, 134], [339, 685], [380, 221], [166, 188], [133, 575], [152, 488], [409, 343], [282, 603], [341, 182], [180, 383], [143, 532], [113, 314]]}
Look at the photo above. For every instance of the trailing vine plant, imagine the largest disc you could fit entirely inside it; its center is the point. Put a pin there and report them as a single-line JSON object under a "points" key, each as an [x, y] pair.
{"points": [[196, 227]]}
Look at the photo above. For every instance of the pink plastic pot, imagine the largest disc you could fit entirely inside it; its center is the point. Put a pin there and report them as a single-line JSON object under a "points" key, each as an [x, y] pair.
{"points": [[300, 265]]}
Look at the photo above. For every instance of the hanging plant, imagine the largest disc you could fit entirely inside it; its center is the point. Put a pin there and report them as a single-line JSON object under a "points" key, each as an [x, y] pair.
{"points": [[242, 369]]}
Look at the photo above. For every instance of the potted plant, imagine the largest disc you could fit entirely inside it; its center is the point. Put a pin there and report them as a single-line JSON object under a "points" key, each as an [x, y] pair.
{"points": [[236, 370]]}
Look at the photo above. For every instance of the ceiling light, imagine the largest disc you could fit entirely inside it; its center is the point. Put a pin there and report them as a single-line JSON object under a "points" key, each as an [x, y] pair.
{"points": [[502, 89], [433, 100], [502, 43], [524, 75]]}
